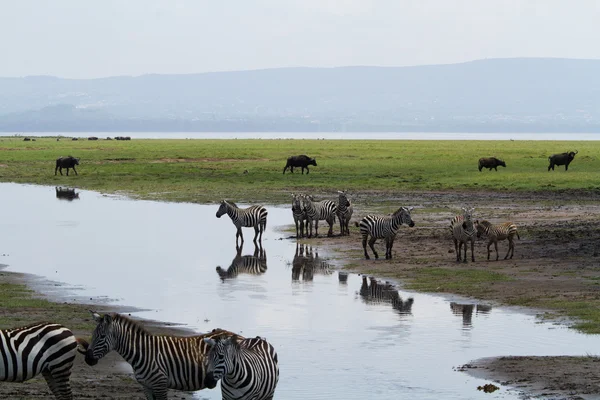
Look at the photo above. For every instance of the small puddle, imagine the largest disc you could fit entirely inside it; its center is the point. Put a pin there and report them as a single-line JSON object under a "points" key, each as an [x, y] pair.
{"points": [[338, 335]]}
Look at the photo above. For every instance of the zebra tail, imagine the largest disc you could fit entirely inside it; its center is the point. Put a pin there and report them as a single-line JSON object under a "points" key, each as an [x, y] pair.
{"points": [[356, 224], [518, 237], [83, 343]]}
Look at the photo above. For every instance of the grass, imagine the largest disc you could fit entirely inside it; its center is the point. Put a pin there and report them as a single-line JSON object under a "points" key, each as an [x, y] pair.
{"points": [[207, 170], [462, 281]]}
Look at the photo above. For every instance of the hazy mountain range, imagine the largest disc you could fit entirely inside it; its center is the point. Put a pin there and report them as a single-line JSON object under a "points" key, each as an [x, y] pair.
{"points": [[527, 95]]}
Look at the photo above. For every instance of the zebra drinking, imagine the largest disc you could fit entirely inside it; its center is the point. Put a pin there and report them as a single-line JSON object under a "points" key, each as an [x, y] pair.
{"points": [[299, 213], [251, 264], [344, 213], [463, 232], [44, 348], [253, 216], [320, 210], [383, 227], [248, 368], [506, 230], [159, 362]]}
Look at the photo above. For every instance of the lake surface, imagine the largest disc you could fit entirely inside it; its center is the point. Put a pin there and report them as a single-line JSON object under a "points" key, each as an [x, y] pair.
{"points": [[327, 135], [332, 341]]}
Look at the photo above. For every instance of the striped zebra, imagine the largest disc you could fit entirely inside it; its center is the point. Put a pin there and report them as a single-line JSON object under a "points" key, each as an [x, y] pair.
{"points": [[299, 215], [320, 210], [494, 233], [248, 368], [383, 227], [44, 348], [344, 212], [255, 264], [253, 216], [463, 232], [377, 292], [307, 263], [159, 362]]}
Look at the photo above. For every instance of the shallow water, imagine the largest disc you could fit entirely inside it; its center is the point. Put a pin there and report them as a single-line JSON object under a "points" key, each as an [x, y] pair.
{"points": [[333, 341]]}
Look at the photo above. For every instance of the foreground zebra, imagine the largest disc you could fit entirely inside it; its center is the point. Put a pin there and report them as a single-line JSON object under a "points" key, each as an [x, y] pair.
{"points": [[159, 362], [320, 210], [248, 368], [344, 213], [463, 232], [299, 213], [383, 227], [251, 217], [506, 230], [255, 264], [44, 348]]}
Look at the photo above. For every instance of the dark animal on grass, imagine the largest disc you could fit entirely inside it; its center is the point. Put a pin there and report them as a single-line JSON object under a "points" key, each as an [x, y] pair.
{"points": [[26, 139], [75, 138], [561, 159], [491, 162], [494, 233], [66, 194], [66, 162], [301, 161], [92, 138]]}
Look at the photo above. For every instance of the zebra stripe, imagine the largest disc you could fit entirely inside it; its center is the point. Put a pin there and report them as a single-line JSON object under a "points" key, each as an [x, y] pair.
{"points": [[377, 292], [299, 213], [248, 368], [45, 348], [159, 362], [344, 212], [506, 230], [250, 264], [383, 227], [463, 232], [320, 210], [251, 217]]}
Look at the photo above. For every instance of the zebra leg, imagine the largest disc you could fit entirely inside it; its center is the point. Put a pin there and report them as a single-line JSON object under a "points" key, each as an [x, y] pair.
{"points": [[58, 382], [364, 244], [371, 245], [330, 232], [511, 246], [239, 235], [472, 250], [457, 250], [465, 257], [488, 249], [155, 394], [316, 228], [496, 247], [256, 230]]}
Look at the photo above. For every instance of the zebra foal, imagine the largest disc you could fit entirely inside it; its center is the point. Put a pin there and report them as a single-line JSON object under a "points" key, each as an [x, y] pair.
{"points": [[344, 212], [251, 217], [383, 227], [463, 232], [159, 362], [320, 210], [44, 348], [494, 233], [248, 368]]}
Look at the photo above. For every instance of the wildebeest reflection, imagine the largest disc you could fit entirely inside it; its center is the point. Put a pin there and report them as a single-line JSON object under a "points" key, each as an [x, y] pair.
{"points": [[307, 263], [379, 292], [66, 193], [255, 264]]}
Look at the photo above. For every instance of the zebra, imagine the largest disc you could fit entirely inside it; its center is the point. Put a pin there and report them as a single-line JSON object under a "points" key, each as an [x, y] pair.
{"points": [[464, 310], [253, 216], [255, 264], [43, 348], [248, 368], [463, 232], [377, 292], [321, 210], [299, 212], [344, 212], [383, 227], [307, 263], [159, 362], [506, 230]]}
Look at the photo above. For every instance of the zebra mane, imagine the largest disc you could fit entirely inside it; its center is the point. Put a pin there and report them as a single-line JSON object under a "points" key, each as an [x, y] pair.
{"points": [[131, 323], [231, 203]]}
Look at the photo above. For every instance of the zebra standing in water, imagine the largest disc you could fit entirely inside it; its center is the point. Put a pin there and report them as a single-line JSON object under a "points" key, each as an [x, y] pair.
{"points": [[44, 348], [253, 216], [255, 264], [159, 362], [344, 213], [299, 215], [463, 232], [506, 230], [321, 210], [383, 227], [248, 368]]}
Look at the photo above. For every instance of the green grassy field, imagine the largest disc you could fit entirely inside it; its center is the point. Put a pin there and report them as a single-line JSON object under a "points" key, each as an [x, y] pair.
{"points": [[208, 170]]}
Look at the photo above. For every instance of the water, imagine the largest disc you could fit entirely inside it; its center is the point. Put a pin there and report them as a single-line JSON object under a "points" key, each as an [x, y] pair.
{"points": [[328, 135], [332, 342]]}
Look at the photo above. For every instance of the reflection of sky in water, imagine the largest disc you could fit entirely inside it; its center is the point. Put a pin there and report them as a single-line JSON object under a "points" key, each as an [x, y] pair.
{"points": [[162, 257]]}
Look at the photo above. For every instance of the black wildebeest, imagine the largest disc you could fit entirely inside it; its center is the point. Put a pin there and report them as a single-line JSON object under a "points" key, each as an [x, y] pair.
{"points": [[66, 162], [302, 161], [561, 159], [66, 194], [491, 162]]}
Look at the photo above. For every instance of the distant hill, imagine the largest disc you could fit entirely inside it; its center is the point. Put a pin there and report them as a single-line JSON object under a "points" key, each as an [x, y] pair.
{"points": [[522, 94]]}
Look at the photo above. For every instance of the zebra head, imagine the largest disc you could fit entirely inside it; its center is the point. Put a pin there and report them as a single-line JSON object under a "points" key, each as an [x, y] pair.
{"points": [[297, 202], [468, 217], [223, 208], [403, 213], [343, 198], [482, 227], [102, 339], [218, 359]]}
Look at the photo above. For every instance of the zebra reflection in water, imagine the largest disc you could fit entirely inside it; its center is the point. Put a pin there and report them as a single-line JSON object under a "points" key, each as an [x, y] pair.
{"points": [[466, 311], [255, 264], [379, 292], [307, 264]]}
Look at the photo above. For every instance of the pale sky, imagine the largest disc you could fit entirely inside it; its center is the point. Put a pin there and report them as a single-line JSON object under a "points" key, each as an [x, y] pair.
{"points": [[88, 39]]}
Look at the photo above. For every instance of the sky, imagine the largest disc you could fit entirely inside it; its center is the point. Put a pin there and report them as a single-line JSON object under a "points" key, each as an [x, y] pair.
{"points": [[90, 39]]}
